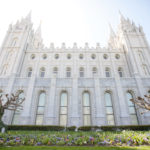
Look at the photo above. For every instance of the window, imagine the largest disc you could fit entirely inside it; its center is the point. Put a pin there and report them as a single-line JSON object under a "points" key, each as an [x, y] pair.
{"points": [[33, 56], [107, 72], [145, 69], [44, 56], [105, 56], [117, 56], [132, 110], [109, 109], [94, 70], [29, 72], [55, 70], [42, 72], [141, 55], [68, 72], [120, 71], [81, 72], [86, 109], [13, 43], [56, 56], [93, 56], [17, 113], [63, 109], [69, 56], [81, 56], [40, 109], [1, 92]]}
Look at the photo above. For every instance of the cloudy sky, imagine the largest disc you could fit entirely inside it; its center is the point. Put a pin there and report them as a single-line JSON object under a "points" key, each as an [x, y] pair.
{"points": [[72, 21]]}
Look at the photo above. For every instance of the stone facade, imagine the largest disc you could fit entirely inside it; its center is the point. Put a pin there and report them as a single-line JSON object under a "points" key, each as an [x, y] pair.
{"points": [[124, 66]]}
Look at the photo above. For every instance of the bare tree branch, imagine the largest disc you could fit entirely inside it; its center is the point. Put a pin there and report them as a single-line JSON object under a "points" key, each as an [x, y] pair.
{"points": [[142, 102]]}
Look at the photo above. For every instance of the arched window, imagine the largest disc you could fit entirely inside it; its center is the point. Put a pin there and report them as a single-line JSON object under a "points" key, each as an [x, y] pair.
{"points": [[17, 113], [140, 55], [55, 70], [120, 71], [81, 72], [94, 70], [42, 72], [109, 109], [29, 72], [13, 42], [107, 72], [68, 72], [132, 110], [63, 109], [40, 109], [86, 109], [145, 69], [1, 92]]}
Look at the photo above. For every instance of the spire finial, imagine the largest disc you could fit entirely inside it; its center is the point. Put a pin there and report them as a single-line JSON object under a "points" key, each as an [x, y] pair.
{"points": [[38, 31], [28, 17], [122, 19], [112, 33]]}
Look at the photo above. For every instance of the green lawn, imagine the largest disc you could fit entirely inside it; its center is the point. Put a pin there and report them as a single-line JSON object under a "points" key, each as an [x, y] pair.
{"points": [[73, 148]]}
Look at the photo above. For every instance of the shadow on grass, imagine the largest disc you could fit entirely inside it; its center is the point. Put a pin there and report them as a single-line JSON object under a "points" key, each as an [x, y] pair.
{"points": [[72, 148]]}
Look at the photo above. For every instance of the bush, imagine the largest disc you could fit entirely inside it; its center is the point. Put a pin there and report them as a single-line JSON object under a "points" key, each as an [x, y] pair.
{"points": [[88, 128], [72, 128], [36, 127], [126, 127]]}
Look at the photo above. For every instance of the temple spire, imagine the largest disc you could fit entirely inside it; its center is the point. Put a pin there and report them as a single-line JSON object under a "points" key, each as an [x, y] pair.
{"points": [[38, 31], [28, 17], [112, 33], [122, 19]]}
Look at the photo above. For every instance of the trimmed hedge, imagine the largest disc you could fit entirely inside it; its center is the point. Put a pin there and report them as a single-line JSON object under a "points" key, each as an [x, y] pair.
{"points": [[72, 128], [36, 127], [88, 128], [126, 127], [82, 128]]}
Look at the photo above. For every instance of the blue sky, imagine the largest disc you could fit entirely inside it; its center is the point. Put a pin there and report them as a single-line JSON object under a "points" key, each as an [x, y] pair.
{"points": [[78, 21]]}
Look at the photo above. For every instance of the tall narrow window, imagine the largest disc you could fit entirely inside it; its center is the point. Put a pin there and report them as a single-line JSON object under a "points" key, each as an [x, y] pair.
{"points": [[40, 109], [145, 69], [109, 109], [55, 70], [29, 72], [120, 72], [13, 42], [1, 92], [42, 72], [16, 115], [63, 109], [94, 71], [141, 55], [107, 72], [81, 72], [86, 109], [68, 72], [132, 110]]}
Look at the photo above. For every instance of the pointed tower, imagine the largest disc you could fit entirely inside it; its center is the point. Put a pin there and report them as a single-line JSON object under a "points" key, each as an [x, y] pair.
{"points": [[13, 47], [37, 40], [132, 39], [112, 37]]}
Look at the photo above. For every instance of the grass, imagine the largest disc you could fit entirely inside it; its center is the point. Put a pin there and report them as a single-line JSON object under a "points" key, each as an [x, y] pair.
{"points": [[73, 148]]}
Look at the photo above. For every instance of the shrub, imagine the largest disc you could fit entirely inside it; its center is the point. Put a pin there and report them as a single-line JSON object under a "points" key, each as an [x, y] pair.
{"points": [[88, 128], [36, 127], [72, 128], [126, 127]]}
